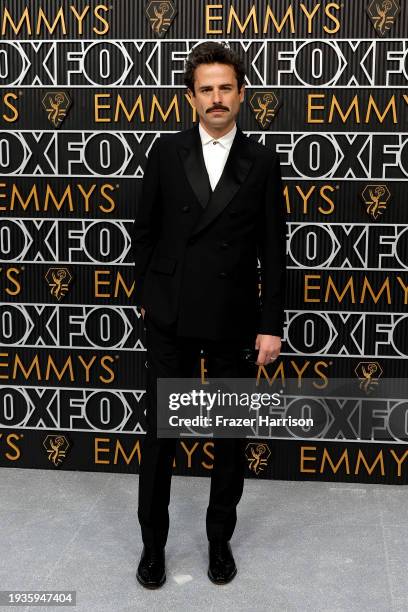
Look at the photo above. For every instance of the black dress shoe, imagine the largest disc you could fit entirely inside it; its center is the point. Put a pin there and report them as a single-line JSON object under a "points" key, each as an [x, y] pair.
{"points": [[222, 568], [151, 572]]}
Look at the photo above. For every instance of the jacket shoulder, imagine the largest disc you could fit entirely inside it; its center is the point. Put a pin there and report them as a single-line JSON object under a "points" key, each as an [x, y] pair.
{"points": [[175, 138], [261, 150]]}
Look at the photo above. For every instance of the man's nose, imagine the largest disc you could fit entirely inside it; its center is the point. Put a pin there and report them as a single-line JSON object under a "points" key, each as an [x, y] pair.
{"points": [[216, 97]]}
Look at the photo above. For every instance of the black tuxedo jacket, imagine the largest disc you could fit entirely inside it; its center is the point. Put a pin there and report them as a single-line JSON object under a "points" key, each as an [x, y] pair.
{"points": [[196, 250]]}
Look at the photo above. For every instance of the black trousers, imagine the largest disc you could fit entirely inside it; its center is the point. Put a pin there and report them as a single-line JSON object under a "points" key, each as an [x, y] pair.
{"points": [[171, 356]]}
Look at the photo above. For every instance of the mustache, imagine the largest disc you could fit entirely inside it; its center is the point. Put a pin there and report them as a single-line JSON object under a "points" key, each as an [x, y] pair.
{"points": [[217, 108]]}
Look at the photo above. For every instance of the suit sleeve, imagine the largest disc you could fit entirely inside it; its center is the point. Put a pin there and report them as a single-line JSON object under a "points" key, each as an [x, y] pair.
{"points": [[272, 253], [145, 226]]}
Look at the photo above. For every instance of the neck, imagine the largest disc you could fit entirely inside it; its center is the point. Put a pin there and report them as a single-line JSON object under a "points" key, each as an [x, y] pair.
{"points": [[218, 132]]}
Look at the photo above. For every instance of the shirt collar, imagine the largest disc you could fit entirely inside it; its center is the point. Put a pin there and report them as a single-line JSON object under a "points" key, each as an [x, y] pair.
{"points": [[225, 141]]}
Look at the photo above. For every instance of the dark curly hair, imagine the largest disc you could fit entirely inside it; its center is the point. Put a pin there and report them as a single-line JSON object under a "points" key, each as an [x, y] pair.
{"points": [[208, 53]]}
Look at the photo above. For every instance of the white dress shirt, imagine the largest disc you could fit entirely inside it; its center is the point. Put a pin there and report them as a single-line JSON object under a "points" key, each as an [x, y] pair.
{"points": [[215, 152]]}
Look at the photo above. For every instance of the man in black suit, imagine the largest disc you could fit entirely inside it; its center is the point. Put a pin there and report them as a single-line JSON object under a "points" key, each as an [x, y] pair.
{"points": [[211, 204]]}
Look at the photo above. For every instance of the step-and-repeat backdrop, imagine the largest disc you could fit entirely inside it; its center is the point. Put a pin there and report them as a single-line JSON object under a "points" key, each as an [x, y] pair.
{"points": [[86, 88]]}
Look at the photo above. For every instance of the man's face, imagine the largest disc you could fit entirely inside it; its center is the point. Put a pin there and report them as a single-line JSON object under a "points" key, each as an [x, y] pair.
{"points": [[215, 87]]}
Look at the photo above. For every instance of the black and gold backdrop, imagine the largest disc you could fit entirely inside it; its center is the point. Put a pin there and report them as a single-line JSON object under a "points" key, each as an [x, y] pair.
{"points": [[86, 88]]}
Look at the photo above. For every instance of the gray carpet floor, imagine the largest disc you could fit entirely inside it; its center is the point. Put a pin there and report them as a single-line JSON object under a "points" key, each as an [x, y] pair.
{"points": [[298, 545]]}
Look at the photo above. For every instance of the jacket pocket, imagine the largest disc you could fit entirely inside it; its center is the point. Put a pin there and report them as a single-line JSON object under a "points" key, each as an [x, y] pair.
{"points": [[165, 265]]}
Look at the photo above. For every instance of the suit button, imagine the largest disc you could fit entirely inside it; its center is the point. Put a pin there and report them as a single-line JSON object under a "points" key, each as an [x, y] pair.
{"points": [[185, 208], [233, 213], [224, 245], [222, 275]]}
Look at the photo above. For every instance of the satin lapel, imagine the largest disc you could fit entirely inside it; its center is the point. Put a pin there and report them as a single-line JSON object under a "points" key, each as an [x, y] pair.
{"points": [[235, 171], [191, 155]]}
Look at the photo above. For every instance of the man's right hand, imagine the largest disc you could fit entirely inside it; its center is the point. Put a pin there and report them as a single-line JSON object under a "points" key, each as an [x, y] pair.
{"points": [[142, 310]]}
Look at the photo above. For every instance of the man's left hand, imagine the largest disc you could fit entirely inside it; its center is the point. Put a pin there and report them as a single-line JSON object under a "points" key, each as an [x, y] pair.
{"points": [[269, 348]]}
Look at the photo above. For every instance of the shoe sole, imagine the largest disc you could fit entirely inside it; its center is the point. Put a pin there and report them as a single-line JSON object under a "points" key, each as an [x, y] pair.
{"points": [[222, 581], [150, 586]]}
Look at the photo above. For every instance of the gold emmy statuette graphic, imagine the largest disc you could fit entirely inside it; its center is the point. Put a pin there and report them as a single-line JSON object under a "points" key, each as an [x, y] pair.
{"points": [[56, 447], [382, 14], [257, 455], [375, 198], [160, 14], [368, 372], [58, 279], [57, 105], [264, 105]]}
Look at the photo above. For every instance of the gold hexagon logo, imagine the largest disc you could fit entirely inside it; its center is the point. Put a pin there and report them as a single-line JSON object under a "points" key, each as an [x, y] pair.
{"points": [[56, 104], [58, 280], [383, 14], [257, 454], [264, 105], [161, 14], [57, 447], [368, 373], [376, 199]]}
